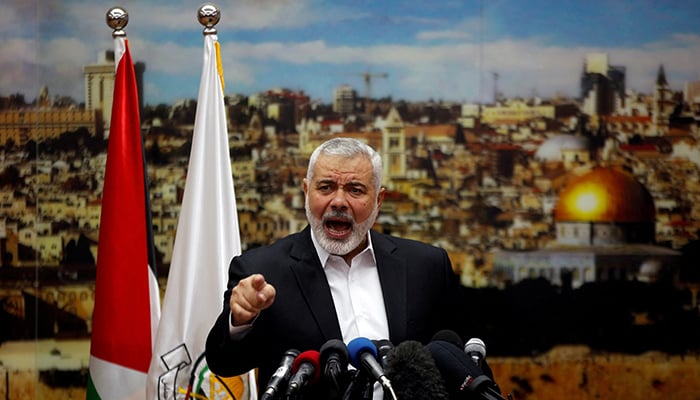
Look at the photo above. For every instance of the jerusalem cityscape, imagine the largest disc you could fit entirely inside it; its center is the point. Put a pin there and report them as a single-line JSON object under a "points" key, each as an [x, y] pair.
{"points": [[553, 150], [505, 187]]}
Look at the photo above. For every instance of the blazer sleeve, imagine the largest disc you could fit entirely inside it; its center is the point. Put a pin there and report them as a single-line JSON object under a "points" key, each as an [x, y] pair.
{"points": [[227, 356], [302, 316]]}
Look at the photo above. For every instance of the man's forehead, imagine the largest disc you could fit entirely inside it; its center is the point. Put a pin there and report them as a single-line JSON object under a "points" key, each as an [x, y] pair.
{"points": [[343, 163], [340, 168], [341, 176]]}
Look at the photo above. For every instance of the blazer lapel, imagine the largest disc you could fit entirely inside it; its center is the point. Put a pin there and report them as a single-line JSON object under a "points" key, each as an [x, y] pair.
{"points": [[392, 275], [313, 284]]}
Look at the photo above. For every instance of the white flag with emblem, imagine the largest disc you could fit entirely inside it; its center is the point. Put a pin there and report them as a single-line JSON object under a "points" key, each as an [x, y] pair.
{"points": [[207, 239]]}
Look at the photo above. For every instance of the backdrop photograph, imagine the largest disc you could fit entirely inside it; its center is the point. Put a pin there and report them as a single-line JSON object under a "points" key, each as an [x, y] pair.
{"points": [[551, 148]]}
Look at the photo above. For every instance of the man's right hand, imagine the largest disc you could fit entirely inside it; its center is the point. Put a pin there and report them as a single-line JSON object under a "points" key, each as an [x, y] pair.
{"points": [[249, 297]]}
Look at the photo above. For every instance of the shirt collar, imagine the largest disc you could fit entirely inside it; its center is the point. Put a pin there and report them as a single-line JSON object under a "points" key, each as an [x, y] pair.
{"points": [[323, 254]]}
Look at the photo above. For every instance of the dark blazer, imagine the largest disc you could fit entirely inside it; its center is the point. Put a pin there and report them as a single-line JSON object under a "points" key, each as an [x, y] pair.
{"points": [[419, 287]]}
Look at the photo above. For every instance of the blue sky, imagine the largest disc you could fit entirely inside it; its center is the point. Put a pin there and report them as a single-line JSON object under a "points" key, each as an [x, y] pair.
{"points": [[446, 49]]}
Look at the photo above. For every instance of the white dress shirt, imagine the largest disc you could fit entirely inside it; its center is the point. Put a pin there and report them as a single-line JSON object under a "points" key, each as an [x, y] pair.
{"points": [[357, 296]]}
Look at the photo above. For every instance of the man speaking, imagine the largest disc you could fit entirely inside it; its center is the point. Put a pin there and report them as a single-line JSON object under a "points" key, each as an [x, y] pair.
{"points": [[336, 279]]}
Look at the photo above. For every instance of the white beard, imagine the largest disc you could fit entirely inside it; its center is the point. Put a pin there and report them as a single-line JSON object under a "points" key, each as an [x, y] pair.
{"points": [[343, 246]]}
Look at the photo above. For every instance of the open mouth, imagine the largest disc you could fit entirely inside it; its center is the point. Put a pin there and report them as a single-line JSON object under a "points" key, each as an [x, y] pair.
{"points": [[337, 229]]}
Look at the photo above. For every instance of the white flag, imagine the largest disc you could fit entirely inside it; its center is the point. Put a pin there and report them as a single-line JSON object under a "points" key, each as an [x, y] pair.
{"points": [[207, 238]]}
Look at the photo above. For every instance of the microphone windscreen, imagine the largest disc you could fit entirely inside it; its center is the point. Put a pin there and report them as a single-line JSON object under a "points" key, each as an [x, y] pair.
{"points": [[337, 347], [312, 357], [449, 336], [475, 345], [358, 346], [413, 373]]}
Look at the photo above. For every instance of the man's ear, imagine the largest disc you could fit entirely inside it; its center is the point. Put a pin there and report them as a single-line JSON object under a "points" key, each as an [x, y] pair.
{"points": [[380, 196]]}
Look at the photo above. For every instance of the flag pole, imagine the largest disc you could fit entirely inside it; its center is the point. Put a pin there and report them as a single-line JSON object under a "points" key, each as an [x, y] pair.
{"points": [[208, 15]]}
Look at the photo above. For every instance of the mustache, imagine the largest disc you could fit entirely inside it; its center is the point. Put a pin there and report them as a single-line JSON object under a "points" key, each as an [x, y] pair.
{"points": [[337, 214]]}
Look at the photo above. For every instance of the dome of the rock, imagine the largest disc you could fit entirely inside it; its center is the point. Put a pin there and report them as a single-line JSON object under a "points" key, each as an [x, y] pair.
{"points": [[605, 195]]}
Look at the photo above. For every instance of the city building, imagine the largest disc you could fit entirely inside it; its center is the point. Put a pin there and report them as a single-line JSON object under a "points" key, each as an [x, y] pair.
{"points": [[691, 92], [285, 107], [99, 85], [565, 148], [516, 111], [393, 148], [19, 126], [663, 102], [344, 97], [602, 86]]}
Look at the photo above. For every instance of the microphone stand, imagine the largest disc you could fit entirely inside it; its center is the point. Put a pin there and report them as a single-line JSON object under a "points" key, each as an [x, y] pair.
{"points": [[361, 388], [386, 386], [357, 387]]}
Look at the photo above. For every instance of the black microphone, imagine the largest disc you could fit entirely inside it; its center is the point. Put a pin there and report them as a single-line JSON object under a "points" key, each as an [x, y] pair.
{"points": [[463, 379], [448, 335], [413, 373], [281, 376], [363, 355], [334, 359], [305, 370], [476, 350], [384, 346]]}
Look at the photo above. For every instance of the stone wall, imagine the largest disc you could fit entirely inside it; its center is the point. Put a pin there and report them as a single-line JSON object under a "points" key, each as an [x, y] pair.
{"points": [[574, 373]]}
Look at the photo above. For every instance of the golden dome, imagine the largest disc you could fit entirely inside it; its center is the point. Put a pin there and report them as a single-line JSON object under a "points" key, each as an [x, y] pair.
{"points": [[605, 195]]}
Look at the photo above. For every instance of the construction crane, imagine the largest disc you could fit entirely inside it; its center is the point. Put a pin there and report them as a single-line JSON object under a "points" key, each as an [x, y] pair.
{"points": [[495, 87], [368, 76]]}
